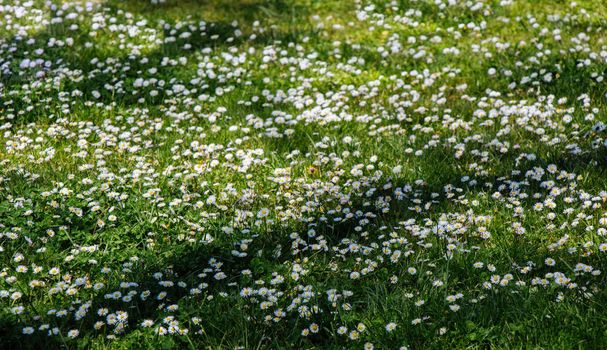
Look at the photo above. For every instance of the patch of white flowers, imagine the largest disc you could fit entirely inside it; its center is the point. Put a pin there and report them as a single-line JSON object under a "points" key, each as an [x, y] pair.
{"points": [[123, 139]]}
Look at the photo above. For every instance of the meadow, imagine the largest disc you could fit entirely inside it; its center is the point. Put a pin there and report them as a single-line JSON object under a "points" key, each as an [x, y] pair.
{"points": [[302, 174]]}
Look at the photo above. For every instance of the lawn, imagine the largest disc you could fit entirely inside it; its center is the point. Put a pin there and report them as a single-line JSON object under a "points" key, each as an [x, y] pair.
{"points": [[300, 174]]}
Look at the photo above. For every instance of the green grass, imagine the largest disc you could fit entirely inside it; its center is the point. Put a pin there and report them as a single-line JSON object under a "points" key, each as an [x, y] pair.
{"points": [[347, 166]]}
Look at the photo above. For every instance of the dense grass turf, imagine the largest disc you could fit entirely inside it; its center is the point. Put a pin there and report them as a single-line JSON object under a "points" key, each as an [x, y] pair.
{"points": [[303, 174]]}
